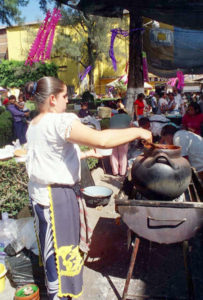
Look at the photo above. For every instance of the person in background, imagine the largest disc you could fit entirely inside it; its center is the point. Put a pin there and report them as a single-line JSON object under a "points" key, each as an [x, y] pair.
{"points": [[53, 167], [162, 104], [119, 104], [19, 126], [84, 111], [200, 102], [191, 145], [154, 104], [171, 104], [193, 118], [118, 159], [21, 105], [179, 108], [6, 102], [144, 123], [139, 107]]}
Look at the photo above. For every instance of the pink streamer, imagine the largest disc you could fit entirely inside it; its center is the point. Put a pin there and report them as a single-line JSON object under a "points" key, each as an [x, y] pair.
{"points": [[180, 80], [41, 47], [172, 81]]}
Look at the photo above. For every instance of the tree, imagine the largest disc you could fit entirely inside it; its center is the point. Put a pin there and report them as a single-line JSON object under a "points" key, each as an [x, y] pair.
{"points": [[9, 10], [88, 41]]}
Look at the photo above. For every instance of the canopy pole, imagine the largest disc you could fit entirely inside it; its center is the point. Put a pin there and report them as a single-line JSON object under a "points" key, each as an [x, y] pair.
{"points": [[135, 72]]}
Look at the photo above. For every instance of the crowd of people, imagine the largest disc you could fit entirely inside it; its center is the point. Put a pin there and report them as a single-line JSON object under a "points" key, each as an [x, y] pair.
{"points": [[20, 116]]}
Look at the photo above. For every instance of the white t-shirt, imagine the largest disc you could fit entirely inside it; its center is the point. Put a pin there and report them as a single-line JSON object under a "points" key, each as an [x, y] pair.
{"points": [[192, 146], [179, 103], [51, 159], [162, 102]]}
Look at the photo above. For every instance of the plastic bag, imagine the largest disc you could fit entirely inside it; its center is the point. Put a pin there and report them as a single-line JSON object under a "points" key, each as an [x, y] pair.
{"points": [[23, 236], [24, 268]]}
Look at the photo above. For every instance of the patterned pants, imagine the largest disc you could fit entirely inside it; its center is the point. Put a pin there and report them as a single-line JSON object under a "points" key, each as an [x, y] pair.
{"points": [[68, 225]]}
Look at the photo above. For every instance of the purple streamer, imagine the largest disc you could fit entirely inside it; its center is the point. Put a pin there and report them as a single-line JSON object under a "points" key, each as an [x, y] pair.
{"points": [[114, 33], [84, 74]]}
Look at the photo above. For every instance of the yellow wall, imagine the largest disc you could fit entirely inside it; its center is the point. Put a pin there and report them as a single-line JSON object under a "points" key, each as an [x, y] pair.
{"points": [[20, 39]]}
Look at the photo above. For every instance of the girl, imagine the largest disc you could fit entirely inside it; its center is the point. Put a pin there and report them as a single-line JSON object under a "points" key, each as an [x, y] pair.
{"points": [[53, 167]]}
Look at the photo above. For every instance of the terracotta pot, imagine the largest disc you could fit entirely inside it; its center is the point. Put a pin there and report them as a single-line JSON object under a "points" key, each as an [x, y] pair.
{"points": [[161, 173], [20, 293]]}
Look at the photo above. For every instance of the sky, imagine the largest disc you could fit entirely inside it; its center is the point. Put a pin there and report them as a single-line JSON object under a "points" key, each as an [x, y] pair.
{"points": [[32, 12]]}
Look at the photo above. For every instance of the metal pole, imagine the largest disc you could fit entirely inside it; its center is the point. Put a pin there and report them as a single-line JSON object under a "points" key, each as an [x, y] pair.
{"points": [[191, 295], [131, 267]]}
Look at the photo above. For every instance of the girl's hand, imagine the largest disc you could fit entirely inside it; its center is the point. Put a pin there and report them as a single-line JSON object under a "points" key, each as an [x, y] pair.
{"points": [[146, 135], [90, 153]]}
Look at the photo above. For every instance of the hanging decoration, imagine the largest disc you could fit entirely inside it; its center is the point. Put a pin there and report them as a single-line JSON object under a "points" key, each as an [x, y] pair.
{"points": [[177, 81], [42, 45], [144, 66], [84, 74], [180, 77], [114, 33]]}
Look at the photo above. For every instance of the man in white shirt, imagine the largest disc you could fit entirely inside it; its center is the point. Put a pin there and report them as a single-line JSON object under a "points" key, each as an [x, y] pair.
{"points": [[191, 145], [162, 104], [179, 107]]}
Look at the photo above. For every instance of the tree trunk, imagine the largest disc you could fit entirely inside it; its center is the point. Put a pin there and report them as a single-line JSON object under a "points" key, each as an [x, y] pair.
{"points": [[135, 73], [91, 80]]}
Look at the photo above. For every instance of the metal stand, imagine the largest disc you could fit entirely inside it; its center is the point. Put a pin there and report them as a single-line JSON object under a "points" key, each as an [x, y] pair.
{"points": [[131, 267], [188, 271]]}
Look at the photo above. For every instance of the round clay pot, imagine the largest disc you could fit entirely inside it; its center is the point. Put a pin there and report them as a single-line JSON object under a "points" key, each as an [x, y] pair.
{"points": [[161, 173], [20, 293]]}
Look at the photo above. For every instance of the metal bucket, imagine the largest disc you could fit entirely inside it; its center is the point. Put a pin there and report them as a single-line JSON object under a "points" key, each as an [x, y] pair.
{"points": [[96, 195]]}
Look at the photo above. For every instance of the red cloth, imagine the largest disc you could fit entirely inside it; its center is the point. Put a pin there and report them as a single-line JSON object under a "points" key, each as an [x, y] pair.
{"points": [[140, 107], [5, 101], [193, 122]]}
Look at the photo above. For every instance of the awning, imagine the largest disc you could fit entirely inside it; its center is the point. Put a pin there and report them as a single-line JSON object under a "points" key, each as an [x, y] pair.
{"points": [[181, 13]]}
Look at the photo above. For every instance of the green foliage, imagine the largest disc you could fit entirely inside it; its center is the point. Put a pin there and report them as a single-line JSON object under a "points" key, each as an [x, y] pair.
{"points": [[13, 187], [5, 128], [30, 105], [16, 74], [91, 162], [13, 184]]}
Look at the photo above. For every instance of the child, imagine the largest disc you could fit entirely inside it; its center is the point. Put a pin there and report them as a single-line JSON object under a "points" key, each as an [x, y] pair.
{"points": [[84, 111]]}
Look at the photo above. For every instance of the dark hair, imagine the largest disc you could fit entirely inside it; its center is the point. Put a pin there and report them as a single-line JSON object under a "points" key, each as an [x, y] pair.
{"points": [[162, 94], [196, 107], [84, 104], [141, 95], [12, 97], [172, 94], [143, 121], [43, 88], [168, 130], [21, 95], [121, 111]]}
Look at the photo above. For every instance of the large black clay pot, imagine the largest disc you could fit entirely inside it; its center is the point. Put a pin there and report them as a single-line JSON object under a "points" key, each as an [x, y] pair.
{"points": [[161, 173]]}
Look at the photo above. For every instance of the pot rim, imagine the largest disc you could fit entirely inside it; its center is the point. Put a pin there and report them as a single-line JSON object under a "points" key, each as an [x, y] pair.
{"points": [[99, 195], [162, 147]]}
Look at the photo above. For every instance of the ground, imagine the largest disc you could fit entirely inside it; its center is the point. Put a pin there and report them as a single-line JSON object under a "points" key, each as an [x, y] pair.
{"points": [[159, 269]]}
